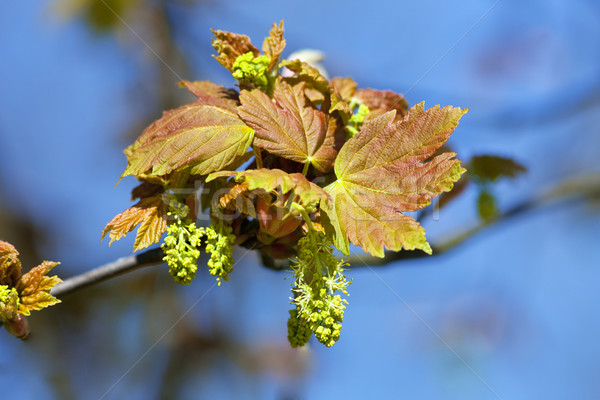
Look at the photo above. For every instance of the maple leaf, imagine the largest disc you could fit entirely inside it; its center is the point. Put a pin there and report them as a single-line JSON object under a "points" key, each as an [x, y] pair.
{"points": [[10, 265], [316, 85], [289, 127], [34, 288], [342, 90], [274, 44], [382, 101], [211, 94], [230, 46], [204, 137], [150, 213], [268, 180], [383, 171]]}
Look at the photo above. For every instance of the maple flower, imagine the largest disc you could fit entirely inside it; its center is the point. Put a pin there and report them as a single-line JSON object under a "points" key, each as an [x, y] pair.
{"points": [[355, 122], [181, 246], [219, 243], [248, 69], [318, 276], [9, 303]]}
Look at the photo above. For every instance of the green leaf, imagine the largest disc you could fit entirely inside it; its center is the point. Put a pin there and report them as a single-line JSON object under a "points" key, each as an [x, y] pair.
{"points": [[203, 137], [289, 127], [383, 171], [268, 180], [488, 168]]}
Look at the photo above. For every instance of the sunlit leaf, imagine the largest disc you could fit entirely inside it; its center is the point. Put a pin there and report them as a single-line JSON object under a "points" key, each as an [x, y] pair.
{"points": [[211, 94], [382, 101], [230, 46], [34, 288], [382, 172], [269, 180], [274, 44], [150, 213], [203, 137], [289, 127]]}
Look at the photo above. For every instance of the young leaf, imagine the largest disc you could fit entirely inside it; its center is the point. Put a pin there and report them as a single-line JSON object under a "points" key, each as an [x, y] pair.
{"points": [[268, 180], [382, 101], [10, 265], [203, 137], [382, 171], [150, 212], [230, 46], [274, 44], [317, 86], [34, 288], [286, 126]]}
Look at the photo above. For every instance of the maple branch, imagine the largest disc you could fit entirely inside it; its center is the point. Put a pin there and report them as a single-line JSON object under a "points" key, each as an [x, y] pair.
{"points": [[107, 271]]}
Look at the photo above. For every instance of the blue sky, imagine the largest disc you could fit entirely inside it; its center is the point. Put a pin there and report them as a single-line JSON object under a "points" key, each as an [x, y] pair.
{"points": [[510, 315]]}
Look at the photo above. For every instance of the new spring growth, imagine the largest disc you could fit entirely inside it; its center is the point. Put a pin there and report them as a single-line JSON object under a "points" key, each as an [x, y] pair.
{"points": [[248, 69], [357, 119], [318, 276]]}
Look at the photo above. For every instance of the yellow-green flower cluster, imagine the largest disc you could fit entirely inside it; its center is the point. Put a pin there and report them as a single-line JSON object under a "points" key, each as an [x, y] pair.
{"points": [[319, 275], [219, 243], [181, 247], [248, 69], [9, 303]]}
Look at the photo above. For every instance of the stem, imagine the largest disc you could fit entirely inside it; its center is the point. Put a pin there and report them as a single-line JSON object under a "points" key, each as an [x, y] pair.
{"points": [[258, 157], [305, 215], [305, 169]]}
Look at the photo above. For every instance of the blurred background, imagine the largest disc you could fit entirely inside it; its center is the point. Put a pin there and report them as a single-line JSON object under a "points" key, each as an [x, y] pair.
{"points": [[510, 313]]}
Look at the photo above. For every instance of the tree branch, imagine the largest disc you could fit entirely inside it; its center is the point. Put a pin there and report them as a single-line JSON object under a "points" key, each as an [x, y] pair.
{"points": [[119, 267]]}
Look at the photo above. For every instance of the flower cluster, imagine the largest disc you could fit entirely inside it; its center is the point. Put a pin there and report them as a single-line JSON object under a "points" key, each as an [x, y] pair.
{"points": [[181, 246], [318, 276], [219, 243], [356, 120], [9, 303], [248, 69]]}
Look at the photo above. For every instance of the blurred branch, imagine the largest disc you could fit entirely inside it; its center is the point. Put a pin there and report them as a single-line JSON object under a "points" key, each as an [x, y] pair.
{"points": [[587, 188], [119, 267]]}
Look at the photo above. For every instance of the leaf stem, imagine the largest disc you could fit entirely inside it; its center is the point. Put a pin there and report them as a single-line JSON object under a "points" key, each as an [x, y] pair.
{"points": [[258, 157], [305, 169], [305, 215]]}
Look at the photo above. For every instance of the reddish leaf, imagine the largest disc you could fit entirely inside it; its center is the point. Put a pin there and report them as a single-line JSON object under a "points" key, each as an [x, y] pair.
{"points": [[150, 213], [203, 137], [382, 101], [288, 127], [34, 288], [382, 171], [274, 44], [10, 265], [212, 94], [230, 46]]}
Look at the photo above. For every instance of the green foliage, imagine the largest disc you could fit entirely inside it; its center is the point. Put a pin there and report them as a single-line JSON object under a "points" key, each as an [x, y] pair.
{"points": [[280, 175]]}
